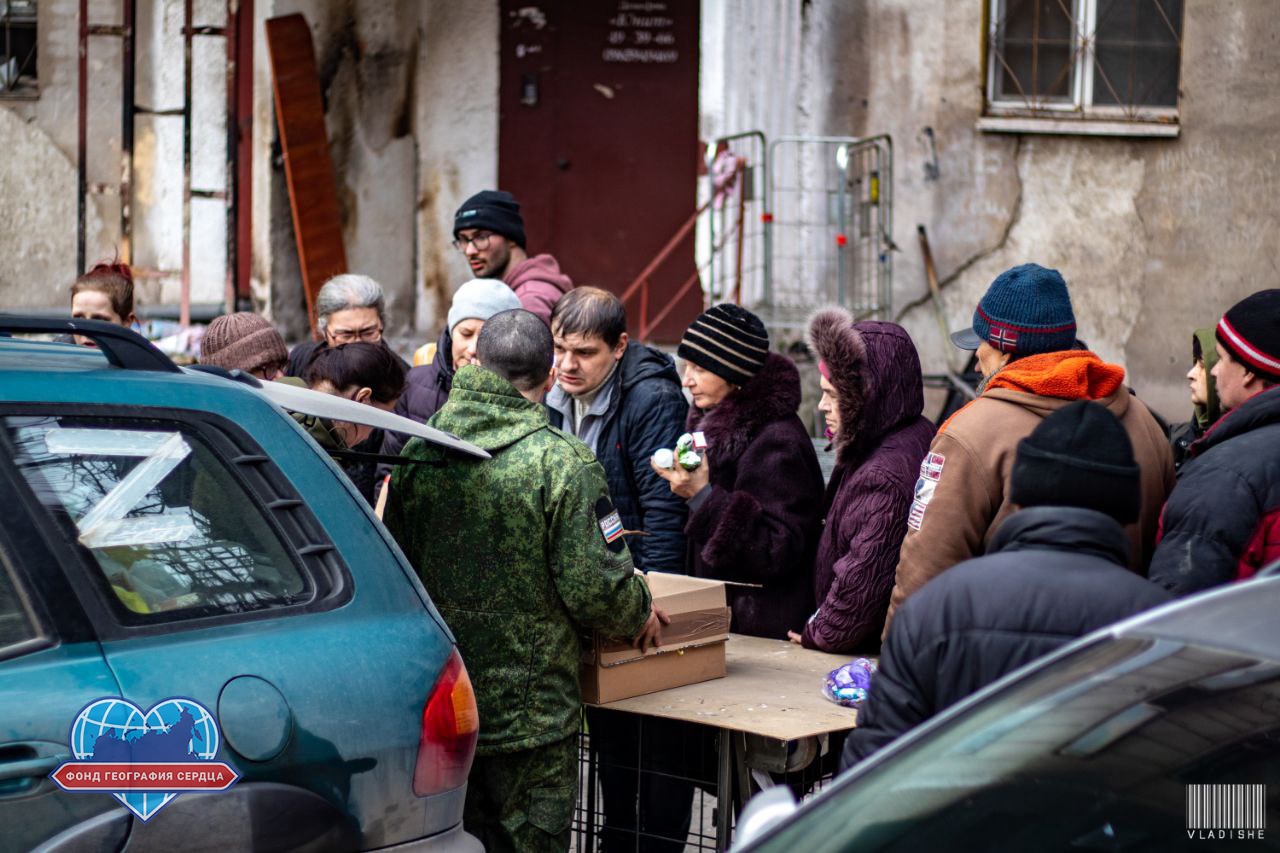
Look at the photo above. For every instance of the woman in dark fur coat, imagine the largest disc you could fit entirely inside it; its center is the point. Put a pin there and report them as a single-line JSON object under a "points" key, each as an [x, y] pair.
{"points": [[873, 395], [755, 502]]}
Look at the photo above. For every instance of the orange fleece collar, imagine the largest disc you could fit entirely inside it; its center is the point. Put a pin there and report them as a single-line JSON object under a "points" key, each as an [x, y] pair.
{"points": [[1066, 375]]}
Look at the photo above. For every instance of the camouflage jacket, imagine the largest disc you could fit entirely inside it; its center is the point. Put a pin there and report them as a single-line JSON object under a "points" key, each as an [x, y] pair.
{"points": [[513, 552]]}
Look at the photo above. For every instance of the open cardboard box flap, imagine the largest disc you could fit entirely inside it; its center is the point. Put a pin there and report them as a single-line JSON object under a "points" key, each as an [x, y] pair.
{"points": [[698, 612]]}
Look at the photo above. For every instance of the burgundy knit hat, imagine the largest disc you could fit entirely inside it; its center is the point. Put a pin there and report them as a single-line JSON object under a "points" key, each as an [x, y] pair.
{"points": [[1251, 331], [243, 340]]}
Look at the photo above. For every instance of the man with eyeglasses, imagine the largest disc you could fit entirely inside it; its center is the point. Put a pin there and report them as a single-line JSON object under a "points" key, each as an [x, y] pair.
{"points": [[489, 231], [349, 308]]}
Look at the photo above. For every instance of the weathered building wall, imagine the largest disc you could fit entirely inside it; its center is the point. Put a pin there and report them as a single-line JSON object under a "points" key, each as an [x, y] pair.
{"points": [[411, 97], [411, 93], [38, 168], [456, 119], [1154, 236], [38, 172]]}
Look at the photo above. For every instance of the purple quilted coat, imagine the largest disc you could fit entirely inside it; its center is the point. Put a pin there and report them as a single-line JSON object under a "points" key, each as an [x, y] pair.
{"points": [[875, 369]]}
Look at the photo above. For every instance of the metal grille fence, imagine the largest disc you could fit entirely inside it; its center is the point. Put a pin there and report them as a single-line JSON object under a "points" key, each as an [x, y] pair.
{"points": [[829, 224], [673, 758], [736, 220]]}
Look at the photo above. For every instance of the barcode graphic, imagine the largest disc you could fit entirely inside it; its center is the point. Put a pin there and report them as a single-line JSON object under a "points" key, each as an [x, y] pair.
{"points": [[1226, 807]]}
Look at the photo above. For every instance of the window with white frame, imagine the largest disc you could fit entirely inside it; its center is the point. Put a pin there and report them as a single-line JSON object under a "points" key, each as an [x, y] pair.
{"points": [[1104, 62], [17, 48]]}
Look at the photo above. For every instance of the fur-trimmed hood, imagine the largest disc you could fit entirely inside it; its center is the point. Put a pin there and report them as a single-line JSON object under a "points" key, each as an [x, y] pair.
{"points": [[772, 395], [875, 369]]}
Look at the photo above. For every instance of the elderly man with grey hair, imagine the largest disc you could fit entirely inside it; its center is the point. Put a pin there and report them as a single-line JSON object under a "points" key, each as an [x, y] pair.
{"points": [[349, 308]]}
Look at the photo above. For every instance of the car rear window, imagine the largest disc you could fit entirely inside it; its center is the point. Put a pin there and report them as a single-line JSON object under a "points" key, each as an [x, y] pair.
{"points": [[167, 524]]}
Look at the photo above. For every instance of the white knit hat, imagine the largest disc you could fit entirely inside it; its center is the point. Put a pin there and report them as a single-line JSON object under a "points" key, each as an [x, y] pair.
{"points": [[480, 299]]}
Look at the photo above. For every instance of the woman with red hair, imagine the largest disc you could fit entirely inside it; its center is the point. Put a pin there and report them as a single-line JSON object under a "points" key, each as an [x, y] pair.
{"points": [[103, 293]]}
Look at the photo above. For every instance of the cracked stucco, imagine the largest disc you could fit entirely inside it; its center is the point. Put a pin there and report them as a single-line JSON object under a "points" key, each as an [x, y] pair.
{"points": [[1154, 236]]}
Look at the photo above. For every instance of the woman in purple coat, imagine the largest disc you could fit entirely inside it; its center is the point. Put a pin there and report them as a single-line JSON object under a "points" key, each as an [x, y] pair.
{"points": [[872, 396], [755, 502]]}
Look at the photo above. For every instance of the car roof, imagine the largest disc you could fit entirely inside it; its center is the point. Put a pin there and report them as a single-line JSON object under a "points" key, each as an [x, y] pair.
{"points": [[28, 364], [1238, 617]]}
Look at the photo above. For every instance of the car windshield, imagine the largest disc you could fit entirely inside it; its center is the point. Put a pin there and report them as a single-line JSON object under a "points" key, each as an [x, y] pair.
{"points": [[1123, 745]]}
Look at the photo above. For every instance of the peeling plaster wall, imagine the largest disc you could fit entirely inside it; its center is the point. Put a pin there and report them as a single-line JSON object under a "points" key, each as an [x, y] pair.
{"points": [[456, 121], [38, 174], [1155, 237], [366, 55], [411, 95], [38, 168]]}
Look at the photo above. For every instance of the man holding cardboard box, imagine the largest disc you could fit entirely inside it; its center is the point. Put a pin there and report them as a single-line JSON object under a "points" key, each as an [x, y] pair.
{"points": [[521, 553]]}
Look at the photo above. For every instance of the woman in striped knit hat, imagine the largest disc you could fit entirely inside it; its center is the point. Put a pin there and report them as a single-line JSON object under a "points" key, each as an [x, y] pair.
{"points": [[755, 503]]}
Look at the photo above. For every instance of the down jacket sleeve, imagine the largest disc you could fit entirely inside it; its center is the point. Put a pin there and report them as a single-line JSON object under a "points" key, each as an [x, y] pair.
{"points": [[758, 529], [855, 604], [654, 418], [1207, 524]]}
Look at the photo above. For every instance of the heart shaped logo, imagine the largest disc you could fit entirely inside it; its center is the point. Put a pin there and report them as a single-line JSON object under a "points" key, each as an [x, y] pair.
{"points": [[144, 759]]}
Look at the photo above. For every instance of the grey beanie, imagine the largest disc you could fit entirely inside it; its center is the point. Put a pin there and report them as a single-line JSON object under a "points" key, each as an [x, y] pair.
{"points": [[480, 299]]}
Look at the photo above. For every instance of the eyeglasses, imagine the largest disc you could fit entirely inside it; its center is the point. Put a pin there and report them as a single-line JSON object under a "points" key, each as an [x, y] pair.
{"points": [[480, 241], [369, 334]]}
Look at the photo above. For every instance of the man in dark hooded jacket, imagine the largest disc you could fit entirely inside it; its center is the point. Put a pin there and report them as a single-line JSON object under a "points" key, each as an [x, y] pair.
{"points": [[623, 400], [1055, 571]]}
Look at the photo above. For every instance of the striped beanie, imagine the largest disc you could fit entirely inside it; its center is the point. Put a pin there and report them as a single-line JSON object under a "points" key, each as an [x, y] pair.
{"points": [[1251, 331], [727, 340]]}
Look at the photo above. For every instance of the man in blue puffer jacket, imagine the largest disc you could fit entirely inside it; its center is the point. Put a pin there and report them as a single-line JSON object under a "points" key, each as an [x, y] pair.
{"points": [[623, 400]]}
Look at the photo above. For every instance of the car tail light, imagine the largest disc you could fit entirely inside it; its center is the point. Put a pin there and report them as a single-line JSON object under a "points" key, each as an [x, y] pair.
{"points": [[450, 726]]}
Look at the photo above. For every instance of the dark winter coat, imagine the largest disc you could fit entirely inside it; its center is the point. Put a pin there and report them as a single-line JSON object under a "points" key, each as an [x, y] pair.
{"points": [[1222, 522], [1052, 574], [876, 373], [647, 412], [426, 389], [757, 522]]}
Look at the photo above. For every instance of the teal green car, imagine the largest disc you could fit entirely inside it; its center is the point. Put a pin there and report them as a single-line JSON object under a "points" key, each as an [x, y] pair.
{"points": [[168, 532]]}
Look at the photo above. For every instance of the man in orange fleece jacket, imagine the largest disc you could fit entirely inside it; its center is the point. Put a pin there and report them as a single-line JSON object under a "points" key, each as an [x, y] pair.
{"points": [[1024, 331]]}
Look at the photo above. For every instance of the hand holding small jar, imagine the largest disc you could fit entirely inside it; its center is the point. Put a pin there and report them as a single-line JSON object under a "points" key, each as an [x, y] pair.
{"points": [[684, 468]]}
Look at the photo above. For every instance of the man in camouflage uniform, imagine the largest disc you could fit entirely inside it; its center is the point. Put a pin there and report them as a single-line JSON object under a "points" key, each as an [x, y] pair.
{"points": [[522, 553]]}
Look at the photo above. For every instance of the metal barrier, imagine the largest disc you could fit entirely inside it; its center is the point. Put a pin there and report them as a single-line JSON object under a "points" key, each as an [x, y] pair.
{"points": [[790, 225], [735, 247], [828, 225]]}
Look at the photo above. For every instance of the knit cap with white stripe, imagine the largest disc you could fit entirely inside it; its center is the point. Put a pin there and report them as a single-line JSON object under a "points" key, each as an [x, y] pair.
{"points": [[727, 340], [1251, 331]]}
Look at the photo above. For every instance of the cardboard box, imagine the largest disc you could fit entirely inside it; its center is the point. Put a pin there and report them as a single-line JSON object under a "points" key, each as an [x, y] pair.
{"points": [[692, 647]]}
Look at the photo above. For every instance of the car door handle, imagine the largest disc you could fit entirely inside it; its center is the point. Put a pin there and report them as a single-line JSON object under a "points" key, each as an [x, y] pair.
{"points": [[29, 767]]}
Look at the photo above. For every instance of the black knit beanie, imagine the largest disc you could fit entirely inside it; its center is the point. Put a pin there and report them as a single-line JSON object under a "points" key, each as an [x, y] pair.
{"points": [[1078, 456], [1251, 331], [727, 340], [494, 210]]}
